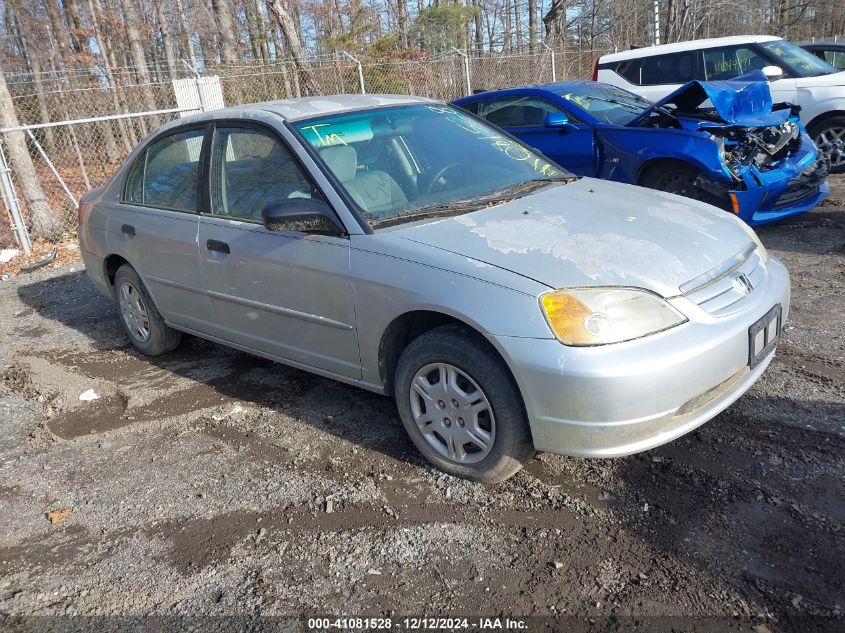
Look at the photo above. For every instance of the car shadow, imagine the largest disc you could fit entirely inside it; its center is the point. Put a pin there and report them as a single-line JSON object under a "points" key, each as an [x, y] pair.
{"points": [[217, 376], [820, 232], [755, 500]]}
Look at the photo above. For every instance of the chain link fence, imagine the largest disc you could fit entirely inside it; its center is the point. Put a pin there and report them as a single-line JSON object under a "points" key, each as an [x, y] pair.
{"points": [[78, 126]]}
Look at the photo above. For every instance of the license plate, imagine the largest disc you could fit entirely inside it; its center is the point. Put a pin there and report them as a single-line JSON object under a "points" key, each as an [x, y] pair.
{"points": [[763, 336]]}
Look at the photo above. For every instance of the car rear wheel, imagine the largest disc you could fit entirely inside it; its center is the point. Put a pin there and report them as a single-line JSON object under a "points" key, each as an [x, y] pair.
{"points": [[461, 407], [829, 136], [678, 179], [141, 321]]}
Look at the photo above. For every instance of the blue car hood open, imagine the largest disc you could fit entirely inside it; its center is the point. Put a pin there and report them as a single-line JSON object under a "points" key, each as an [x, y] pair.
{"points": [[745, 101]]}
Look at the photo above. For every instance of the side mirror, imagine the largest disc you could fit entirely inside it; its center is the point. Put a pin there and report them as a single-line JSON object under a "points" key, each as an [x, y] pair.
{"points": [[302, 215], [558, 120], [773, 72]]}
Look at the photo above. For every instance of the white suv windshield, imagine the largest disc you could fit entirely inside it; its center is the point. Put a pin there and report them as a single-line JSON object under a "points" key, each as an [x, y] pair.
{"points": [[795, 60], [405, 162]]}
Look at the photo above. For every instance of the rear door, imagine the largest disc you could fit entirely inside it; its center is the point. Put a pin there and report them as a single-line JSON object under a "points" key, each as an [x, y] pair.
{"points": [[284, 293], [524, 117], [155, 223]]}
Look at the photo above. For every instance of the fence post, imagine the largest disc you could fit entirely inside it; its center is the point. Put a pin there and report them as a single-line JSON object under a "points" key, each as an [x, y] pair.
{"points": [[466, 69], [360, 70], [11, 200], [552, 53]]}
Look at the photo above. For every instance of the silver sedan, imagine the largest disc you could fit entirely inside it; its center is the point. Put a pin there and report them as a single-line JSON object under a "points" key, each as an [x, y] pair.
{"points": [[404, 246]]}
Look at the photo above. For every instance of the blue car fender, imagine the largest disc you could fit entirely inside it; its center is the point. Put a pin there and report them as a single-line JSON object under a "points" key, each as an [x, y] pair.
{"points": [[625, 153]]}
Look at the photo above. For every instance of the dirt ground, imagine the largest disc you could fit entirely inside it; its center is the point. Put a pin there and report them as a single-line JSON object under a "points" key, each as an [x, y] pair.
{"points": [[211, 483]]}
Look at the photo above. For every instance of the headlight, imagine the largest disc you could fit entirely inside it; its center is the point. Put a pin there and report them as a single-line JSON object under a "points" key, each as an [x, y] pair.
{"points": [[764, 254], [598, 316]]}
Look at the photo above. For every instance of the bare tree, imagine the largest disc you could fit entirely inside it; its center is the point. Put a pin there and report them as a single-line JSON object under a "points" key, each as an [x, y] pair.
{"points": [[44, 223], [290, 31], [225, 31], [166, 39], [139, 57]]}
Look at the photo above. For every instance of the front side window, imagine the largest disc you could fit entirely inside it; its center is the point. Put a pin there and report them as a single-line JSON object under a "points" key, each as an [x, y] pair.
{"points": [[796, 61], [165, 174], [732, 61], [605, 102], [250, 170], [678, 68], [517, 111], [835, 58], [404, 162]]}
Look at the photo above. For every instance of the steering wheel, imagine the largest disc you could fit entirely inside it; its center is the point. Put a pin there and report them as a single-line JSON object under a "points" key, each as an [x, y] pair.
{"points": [[442, 172]]}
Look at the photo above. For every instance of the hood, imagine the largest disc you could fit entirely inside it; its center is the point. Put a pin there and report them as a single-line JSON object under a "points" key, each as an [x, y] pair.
{"points": [[592, 233], [745, 101]]}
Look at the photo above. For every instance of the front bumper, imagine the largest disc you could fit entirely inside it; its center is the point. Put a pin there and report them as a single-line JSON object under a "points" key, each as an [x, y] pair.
{"points": [[615, 400], [768, 196]]}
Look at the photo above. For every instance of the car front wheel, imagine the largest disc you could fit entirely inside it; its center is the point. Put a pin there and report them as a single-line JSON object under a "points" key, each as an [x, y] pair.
{"points": [[141, 321], [829, 137], [461, 407], [681, 180]]}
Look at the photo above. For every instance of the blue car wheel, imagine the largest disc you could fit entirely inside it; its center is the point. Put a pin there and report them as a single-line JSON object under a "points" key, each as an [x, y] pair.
{"points": [[680, 180]]}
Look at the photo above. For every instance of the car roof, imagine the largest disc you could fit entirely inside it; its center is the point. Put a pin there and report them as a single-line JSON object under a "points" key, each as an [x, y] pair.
{"points": [[306, 107], [690, 45], [549, 87], [823, 44]]}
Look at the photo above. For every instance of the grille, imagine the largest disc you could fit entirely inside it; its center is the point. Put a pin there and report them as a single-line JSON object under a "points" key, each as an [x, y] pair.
{"points": [[719, 291], [795, 194]]}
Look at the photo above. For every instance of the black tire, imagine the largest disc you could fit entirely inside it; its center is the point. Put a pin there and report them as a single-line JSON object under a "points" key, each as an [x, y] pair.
{"points": [[679, 179], [511, 445], [824, 127], [161, 338]]}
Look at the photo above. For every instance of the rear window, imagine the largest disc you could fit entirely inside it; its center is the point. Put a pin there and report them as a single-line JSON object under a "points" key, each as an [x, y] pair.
{"points": [[678, 68]]}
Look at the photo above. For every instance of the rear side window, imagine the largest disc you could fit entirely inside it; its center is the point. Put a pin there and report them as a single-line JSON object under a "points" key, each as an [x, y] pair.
{"points": [[678, 68], [630, 70], [165, 174]]}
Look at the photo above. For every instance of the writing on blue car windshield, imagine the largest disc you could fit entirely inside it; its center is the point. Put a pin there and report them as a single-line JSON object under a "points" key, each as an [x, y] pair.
{"points": [[402, 163], [606, 103]]}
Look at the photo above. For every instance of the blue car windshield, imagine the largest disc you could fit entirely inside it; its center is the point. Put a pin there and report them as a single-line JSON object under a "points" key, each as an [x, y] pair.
{"points": [[408, 162], [606, 103], [795, 60]]}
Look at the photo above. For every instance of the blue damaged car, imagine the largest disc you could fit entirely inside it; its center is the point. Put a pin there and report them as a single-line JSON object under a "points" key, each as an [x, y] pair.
{"points": [[721, 142]]}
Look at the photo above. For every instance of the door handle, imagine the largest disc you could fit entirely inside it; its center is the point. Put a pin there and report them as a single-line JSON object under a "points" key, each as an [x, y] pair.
{"points": [[128, 229], [216, 245]]}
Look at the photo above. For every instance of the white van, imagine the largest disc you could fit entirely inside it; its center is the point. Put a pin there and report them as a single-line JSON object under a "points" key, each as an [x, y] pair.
{"points": [[796, 76]]}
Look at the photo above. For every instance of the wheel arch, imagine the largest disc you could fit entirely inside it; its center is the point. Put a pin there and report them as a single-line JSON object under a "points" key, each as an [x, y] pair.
{"points": [[821, 117], [110, 265], [410, 325], [664, 162]]}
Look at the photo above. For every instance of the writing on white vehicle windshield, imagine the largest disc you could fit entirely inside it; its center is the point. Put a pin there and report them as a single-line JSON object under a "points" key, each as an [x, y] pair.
{"points": [[795, 60], [402, 163], [606, 103]]}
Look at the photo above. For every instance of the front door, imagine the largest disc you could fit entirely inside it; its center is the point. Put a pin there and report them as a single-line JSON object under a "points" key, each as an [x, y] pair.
{"points": [[286, 294], [525, 117]]}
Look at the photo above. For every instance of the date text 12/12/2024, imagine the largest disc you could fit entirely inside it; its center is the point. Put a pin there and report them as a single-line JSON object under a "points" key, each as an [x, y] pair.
{"points": [[417, 624]]}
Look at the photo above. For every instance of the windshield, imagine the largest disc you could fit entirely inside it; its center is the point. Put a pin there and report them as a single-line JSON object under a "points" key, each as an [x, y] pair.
{"points": [[405, 162], [795, 60], [606, 103]]}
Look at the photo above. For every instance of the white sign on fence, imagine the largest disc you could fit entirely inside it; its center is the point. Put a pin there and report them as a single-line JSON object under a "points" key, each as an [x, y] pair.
{"points": [[198, 93]]}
